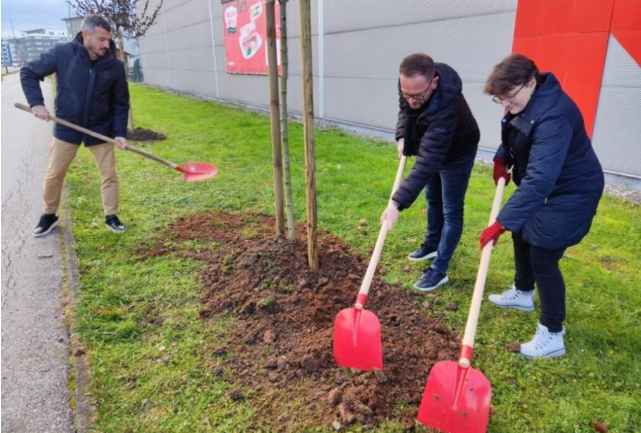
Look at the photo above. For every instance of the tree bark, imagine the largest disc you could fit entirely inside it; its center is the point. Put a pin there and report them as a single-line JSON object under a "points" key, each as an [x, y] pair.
{"points": [[123, 58], [284, 130], [308, 130], [275, 116]]}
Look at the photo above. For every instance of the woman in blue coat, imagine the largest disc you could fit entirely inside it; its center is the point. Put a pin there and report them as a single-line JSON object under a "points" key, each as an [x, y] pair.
{"points": [[559, 184]]}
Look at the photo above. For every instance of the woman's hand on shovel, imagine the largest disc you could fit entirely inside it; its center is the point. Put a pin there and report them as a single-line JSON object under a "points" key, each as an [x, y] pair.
{"points": [[390, 215], [121, 142], [492, 234]]}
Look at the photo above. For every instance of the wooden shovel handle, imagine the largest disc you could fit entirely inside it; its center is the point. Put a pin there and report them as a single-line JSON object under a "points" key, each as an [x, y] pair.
{"points": [[479, 287], [102, 137], [369, 275]]}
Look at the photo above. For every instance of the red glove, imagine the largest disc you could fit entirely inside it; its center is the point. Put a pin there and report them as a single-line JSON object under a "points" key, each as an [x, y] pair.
{"points": [[500, 171], [491, 233]]}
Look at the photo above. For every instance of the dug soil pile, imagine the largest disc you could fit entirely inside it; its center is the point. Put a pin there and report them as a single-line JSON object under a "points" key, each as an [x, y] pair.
{"points": [[279, 352], [142, 134]]}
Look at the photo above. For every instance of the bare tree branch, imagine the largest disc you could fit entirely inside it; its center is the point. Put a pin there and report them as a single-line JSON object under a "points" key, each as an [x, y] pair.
{"points": [[121, 13]]}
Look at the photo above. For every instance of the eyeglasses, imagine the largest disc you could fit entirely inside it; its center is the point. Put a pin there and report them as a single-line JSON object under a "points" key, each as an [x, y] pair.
{"points": [[511, 98], [418, 97]]}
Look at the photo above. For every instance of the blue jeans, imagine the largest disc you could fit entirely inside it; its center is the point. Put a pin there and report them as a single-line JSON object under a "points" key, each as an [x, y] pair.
{"points": [[445, 194]]}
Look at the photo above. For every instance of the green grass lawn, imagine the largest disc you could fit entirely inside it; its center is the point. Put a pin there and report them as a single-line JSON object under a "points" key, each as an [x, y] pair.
{"points": [[150, 351]]}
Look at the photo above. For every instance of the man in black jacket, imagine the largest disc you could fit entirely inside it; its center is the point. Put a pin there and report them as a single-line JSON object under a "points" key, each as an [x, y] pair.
{"points": [[436, 124], [91, 92]]}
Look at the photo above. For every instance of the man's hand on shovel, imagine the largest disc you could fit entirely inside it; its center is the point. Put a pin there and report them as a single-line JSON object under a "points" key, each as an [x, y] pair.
{"points": [[390, 214], [41, 112], [121, 142]]}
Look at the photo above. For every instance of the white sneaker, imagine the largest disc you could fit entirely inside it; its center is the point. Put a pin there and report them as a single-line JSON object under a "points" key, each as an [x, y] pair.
{"points": [[545, 344], [514, 298]]}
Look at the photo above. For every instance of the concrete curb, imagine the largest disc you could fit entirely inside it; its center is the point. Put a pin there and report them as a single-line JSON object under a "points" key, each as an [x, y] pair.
{"points": [[85, 410]]}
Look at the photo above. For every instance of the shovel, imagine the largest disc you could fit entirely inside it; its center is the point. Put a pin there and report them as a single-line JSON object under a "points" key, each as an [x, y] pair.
{"points": [[457, 397], [357, 332], [193, 171]]}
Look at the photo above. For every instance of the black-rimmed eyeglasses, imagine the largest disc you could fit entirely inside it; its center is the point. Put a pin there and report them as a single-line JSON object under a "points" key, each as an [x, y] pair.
{"points": [[510, 98], [418, 97]]}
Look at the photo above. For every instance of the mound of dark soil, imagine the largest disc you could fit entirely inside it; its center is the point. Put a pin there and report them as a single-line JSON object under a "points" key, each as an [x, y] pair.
{"points": [[281, 350], [142, 134]]}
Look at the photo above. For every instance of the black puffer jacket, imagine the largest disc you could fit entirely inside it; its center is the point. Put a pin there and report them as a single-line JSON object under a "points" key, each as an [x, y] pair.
{"points": [[446, 129], [559, 177], [90, 94]]}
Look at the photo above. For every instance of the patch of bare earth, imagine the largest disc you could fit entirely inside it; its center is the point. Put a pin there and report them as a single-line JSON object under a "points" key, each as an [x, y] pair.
{"points": [[279, 356], [142, 134]]}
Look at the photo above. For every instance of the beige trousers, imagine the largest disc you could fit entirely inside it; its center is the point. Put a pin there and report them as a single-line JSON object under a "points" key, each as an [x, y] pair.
{"points": [[61, 154]]}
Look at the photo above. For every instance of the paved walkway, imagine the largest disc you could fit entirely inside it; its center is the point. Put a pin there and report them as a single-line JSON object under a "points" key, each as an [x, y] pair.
{"points": [[35, 346]]}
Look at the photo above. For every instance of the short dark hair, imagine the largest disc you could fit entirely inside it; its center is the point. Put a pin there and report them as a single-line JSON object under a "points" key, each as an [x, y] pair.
{"points": [[92, 21], [418, 64], [515, 70]]}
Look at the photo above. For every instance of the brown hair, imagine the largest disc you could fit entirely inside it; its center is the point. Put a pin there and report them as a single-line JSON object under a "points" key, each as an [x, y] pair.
{"points": [[417, 64], [514, 70]]}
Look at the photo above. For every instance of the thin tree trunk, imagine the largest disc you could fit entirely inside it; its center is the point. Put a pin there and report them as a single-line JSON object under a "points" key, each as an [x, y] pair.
{"points": [[275, 116], [308, 130], [123, 58], [284, 130]]}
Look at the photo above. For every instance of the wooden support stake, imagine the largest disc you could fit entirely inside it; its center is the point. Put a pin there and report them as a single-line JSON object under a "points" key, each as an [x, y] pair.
{"points": [[308, 130], [284, 130], [275, 117]]}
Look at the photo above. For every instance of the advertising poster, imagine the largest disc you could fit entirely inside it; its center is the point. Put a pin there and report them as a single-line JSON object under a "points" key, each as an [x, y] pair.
{"points": [[246, 36]]}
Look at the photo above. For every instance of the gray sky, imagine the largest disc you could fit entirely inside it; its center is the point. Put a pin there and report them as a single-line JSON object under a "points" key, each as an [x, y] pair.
{"points": [[31, 14]]}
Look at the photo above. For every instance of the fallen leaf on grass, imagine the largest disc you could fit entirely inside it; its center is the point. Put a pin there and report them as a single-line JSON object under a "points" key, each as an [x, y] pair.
{"points": [[513, 347], [600, 427]]}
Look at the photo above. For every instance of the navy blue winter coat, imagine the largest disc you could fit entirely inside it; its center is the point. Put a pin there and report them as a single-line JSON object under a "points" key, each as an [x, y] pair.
{"points": [[445, 128], [559, 178], [90, 94]]}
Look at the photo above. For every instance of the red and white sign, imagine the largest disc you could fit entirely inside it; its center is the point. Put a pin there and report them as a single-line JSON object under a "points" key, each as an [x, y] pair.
{"points": [[245, 30]]}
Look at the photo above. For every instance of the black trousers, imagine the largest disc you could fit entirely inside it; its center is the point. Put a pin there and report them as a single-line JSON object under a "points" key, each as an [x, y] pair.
{"points": [[533, 264]]}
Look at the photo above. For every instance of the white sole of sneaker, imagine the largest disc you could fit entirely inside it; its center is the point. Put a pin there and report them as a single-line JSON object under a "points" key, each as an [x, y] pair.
{"points": [[427, 257], [554, 354], [53, 226], [429, 289], [515, 307], [113, 230]]}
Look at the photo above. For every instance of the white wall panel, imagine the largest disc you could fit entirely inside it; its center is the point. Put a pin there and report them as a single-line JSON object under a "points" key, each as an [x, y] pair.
{"points": [[355, 15], [617, 128]]}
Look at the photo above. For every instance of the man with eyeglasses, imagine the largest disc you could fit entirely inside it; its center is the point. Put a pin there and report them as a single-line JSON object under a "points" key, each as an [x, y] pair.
{"points": [[435, 124]]}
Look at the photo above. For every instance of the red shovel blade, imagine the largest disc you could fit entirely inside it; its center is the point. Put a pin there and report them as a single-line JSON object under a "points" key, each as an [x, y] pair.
{"points": [[456, 399], [357, 340], [195, 171]]}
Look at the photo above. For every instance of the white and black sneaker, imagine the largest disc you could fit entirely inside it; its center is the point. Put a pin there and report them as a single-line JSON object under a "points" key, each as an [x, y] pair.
{"points": [[47, 223], [424, 252], [113, 223]]}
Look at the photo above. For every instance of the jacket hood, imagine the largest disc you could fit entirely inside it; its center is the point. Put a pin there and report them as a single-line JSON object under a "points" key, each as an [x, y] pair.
{"points": [[544, 100]]}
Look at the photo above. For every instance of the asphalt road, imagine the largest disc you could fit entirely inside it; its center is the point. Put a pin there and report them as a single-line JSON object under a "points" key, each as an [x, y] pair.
{"points": [[35, 342]]}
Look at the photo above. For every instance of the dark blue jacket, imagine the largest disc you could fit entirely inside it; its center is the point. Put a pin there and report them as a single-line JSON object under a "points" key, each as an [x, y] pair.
{"points": [[559, 177], [90, 94], [445, 130]]}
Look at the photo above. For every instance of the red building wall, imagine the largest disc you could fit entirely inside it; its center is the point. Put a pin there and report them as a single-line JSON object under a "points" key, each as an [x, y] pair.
{"points": [[570, 39]]}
